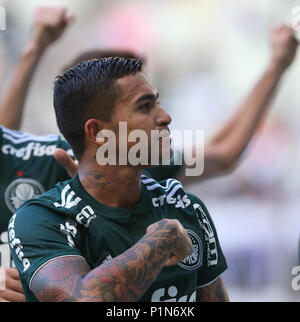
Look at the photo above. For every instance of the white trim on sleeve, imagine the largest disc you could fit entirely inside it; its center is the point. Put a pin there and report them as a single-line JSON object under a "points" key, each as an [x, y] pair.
{"points": [[209, 283]]}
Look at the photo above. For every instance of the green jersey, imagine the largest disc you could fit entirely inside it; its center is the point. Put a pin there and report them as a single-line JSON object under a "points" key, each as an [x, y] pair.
{"points": [[27, 169], [67, 221]]}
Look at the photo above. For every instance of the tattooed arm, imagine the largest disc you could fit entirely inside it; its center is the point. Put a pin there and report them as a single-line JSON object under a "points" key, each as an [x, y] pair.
{"points": [[125, 278], [216, 292]]}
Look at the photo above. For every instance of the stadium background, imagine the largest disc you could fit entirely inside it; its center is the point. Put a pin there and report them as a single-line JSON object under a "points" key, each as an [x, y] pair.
{"points": [[203, 56]]}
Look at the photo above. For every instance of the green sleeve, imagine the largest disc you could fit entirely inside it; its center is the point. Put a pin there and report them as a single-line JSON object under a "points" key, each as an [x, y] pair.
{"points": [[36, 235], [214, 262]]}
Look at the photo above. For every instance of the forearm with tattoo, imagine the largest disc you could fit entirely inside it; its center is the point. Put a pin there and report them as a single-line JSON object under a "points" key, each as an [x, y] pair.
{"points": [[125, 278]]}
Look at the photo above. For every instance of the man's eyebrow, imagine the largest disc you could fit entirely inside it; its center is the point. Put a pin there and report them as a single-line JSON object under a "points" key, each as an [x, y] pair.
{"points": [[147, 97]]}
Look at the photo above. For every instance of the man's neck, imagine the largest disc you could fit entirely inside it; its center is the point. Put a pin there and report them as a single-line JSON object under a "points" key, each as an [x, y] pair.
{"points": [[113, 186]]}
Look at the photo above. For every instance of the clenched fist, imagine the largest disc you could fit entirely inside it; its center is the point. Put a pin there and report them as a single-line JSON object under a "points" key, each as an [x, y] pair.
{"points": [[48, 25], [183, 247], [284, 45]]}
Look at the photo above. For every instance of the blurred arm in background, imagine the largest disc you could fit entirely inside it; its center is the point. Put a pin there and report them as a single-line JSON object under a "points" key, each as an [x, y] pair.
{"points": [[48, 25], [223, 151]]}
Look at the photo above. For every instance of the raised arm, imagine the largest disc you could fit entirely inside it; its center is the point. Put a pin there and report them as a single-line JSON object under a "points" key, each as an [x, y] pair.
{"points": [[125, 278], [224, 149], [48, 25]]}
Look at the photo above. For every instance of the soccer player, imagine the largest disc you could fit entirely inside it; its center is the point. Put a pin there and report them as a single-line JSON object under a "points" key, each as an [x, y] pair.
{"points": [[109, 234], [221, 152], [27, 165]]}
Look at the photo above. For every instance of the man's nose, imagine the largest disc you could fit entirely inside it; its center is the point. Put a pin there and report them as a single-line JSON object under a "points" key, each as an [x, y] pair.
{"points": [[163, 119]]}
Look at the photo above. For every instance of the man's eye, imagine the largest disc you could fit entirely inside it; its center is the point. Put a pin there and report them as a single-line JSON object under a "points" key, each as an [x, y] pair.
{"points": [[145, 107], [148, 106]]}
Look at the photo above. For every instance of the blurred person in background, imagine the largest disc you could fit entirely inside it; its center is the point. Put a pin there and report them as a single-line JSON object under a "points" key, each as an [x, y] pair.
{"points": [[222, 152], [27, 165]]}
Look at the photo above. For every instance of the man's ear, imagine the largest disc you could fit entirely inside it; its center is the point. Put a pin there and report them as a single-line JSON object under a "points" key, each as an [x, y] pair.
{"points": [[93, 128]]}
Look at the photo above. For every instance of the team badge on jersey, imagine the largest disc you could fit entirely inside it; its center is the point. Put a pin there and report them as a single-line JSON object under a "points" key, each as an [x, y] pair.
{"points": [[21, 190], [194, 260]]}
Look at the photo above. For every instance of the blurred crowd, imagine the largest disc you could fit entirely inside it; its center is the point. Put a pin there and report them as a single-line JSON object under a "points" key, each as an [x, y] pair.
{"points": [[203, 56]]}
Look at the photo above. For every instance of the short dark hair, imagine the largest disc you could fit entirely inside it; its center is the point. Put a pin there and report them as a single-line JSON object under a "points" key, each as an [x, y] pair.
{"points": [[87, 91], [103, 53]]}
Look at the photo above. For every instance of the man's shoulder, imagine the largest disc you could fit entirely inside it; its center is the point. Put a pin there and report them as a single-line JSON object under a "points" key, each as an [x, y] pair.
{"points": [[166, 185], [43, 204], [170, 185], [17, 137], [21, 146], [25, 146], [169, 191]]}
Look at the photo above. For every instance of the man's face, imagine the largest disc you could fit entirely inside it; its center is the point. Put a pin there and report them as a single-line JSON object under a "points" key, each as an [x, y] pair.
{"points": [[138, 106]]}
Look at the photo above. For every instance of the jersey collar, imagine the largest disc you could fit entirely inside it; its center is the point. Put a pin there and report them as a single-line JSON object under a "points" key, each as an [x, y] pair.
{"points": [[112, 212]]}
